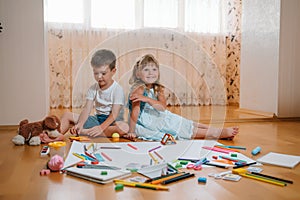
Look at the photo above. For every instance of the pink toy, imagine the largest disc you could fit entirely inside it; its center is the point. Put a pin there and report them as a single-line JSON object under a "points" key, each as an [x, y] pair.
{"points": [[44, 172], [55, 163]]}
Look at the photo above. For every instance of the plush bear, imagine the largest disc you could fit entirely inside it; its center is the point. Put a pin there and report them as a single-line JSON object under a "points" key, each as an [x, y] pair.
{"points": [[35, 132]]}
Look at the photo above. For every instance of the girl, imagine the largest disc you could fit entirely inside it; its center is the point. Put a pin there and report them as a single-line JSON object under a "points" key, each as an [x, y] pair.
{"points": [[149, 118]]}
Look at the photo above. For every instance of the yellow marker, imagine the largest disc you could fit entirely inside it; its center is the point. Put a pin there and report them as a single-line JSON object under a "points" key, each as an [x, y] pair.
{"points": [[141, 185], [78, 156], [155, 160], [91, 145]]}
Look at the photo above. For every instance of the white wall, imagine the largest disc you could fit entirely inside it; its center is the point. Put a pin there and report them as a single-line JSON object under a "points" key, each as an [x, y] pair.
{"points": [[289, 59], [23, 74], [259, 55]]}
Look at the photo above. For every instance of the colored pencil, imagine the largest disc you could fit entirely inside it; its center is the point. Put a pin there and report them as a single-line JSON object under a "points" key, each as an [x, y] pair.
{"points": [[141, 185], [244, 165], [217, 165], [232, 147], [263, 179], [183, 176], [272, 177], [160, 180]]}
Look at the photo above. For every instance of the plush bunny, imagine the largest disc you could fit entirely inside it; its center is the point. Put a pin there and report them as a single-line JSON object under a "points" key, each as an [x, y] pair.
{"points": [[30, 132]]}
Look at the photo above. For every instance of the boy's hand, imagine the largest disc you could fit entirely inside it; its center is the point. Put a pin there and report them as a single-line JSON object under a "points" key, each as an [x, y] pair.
{"points": [[75, 130]]}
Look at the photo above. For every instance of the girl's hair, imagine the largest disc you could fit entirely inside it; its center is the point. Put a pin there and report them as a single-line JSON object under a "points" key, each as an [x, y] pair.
{"points": [[138, 66]]}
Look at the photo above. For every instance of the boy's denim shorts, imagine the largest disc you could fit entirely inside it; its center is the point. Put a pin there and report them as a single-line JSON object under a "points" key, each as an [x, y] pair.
{"points": [[96, 120]]}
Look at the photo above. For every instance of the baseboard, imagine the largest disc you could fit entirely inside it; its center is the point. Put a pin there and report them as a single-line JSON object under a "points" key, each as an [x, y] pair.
{"points": [[255, 112], [9, 127]]}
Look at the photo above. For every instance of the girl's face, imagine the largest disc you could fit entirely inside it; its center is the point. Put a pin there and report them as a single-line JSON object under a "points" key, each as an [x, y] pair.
{"points": [[149, 73]]}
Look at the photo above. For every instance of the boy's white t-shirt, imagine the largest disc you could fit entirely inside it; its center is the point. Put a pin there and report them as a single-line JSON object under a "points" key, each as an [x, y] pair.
{"points": [[104, 99]]}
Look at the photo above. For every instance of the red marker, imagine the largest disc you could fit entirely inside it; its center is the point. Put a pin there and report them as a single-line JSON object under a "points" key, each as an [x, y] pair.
{"points": [[130, 145]]}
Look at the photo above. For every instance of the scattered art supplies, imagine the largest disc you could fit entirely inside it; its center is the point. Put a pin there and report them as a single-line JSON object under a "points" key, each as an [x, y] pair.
{"points": [[279, 159], [93, 173], [146, 158]]}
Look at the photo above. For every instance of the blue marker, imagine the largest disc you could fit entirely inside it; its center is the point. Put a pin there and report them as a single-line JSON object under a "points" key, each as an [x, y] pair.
{"points": [[256, 151]]}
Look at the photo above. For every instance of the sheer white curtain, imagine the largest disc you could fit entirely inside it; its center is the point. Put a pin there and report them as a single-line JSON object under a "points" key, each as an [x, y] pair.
{"points": [[189, 42]]}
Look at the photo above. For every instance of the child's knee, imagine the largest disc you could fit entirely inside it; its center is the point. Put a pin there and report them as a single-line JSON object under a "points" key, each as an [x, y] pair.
{"points": [[67, 116], [123, 126]]}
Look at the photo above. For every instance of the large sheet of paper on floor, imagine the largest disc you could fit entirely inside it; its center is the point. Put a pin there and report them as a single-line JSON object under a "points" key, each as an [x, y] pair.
{"points": [[125, 155]]}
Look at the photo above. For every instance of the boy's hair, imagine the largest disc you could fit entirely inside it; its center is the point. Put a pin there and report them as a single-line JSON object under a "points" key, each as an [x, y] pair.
{"points": [[104, 57]]}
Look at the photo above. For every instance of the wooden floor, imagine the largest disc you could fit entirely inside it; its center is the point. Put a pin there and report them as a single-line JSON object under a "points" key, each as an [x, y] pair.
{"points": [[20, 165]]}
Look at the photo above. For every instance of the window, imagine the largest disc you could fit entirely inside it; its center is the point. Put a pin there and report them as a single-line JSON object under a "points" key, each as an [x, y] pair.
{"points": [[65, 11], [113, 14], [202, 16], [159, 13]]}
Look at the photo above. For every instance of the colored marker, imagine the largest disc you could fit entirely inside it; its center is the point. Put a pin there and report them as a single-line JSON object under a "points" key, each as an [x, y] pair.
{"points": [[106, 156], [220, 165], [130, 145], [233, 159], [79, 156], [110, 147], [158, 155], [155, 160], [90, 155], [155, 148], [99, 157], [218, 149]]}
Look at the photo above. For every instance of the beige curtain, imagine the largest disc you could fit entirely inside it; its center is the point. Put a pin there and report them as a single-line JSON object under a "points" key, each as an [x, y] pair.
{"points": [[197, 69]]}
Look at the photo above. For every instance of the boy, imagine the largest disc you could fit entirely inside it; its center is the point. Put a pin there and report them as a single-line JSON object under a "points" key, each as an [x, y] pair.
{"points": [[108, 97]]}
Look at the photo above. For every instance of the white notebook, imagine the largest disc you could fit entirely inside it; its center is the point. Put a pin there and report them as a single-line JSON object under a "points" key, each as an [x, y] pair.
{"points": [[279, 159]]}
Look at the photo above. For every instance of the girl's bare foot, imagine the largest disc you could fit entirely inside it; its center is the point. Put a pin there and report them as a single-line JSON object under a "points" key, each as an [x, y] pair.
{"points": [[225, 133]]}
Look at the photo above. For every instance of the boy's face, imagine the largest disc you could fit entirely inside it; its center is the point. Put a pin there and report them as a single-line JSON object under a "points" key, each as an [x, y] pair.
{"points": [[103, 75]]}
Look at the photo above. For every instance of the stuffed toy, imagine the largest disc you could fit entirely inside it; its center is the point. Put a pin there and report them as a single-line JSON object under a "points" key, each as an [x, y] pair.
{"points": [[34, 133]]}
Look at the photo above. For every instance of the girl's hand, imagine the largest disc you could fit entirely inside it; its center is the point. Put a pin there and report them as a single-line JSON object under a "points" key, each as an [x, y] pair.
{"points": [[138, 97], [130, 136]]}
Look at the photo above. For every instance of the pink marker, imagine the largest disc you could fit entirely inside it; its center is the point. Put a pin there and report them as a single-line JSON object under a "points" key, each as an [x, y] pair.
{"points": [[130, 145], [106, 156]]}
